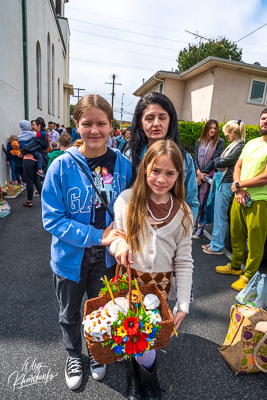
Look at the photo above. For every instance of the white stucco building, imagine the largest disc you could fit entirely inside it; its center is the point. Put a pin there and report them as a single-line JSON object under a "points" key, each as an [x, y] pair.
{"points": [[34, 66]]}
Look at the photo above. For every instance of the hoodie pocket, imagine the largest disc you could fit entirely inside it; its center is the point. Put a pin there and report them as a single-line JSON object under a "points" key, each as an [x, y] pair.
{"points": [[64, 253]]}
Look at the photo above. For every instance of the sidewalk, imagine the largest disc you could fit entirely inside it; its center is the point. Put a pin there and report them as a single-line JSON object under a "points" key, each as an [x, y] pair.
{"points": [[190, 367]]}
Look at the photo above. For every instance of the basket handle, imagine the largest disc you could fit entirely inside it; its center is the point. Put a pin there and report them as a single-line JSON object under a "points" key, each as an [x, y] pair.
{"points": [[129, 283]]}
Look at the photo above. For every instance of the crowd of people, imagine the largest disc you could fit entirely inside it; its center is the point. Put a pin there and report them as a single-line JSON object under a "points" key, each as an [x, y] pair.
{"points": [[137, 197]]}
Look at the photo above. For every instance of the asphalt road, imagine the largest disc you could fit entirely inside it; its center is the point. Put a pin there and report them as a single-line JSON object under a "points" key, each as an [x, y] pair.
{"points": [[190, 367]]}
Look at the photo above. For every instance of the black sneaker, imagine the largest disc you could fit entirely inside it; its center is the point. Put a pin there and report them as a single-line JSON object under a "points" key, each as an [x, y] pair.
{"points": [[98, 371], [73, 373]]}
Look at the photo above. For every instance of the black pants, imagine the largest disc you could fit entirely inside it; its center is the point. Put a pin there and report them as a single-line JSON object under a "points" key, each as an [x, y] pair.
{"points": [[70, 295], [31, 177], [19, 172]]}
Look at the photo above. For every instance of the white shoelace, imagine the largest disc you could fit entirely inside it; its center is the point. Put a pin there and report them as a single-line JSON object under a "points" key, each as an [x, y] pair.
{"points": [[93, 362], [74, 365]]}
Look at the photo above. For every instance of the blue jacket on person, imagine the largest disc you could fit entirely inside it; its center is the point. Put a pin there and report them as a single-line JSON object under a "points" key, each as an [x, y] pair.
{"points": [[75, 135], [68, 200]]}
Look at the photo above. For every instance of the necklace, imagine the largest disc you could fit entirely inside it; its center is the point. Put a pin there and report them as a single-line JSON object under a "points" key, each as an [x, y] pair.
{"points": [[167, 216]]}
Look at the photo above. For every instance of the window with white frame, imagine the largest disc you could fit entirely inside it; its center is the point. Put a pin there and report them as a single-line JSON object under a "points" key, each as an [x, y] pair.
{"points": [[53, 79], [161, 88], [58, 98], [48, 75], [38, 76], [257, 91]]}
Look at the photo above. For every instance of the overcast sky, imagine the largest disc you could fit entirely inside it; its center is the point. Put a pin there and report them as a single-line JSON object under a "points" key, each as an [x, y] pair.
{"points": [[136, 38]]}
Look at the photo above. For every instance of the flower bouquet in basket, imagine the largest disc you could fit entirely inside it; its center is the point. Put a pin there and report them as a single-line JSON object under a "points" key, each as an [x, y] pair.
{"points": [[129, 324], [133, 334]]}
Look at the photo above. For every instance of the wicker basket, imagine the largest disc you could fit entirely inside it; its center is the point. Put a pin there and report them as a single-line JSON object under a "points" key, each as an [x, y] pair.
{"points": [[11, 190], [104, 354]]}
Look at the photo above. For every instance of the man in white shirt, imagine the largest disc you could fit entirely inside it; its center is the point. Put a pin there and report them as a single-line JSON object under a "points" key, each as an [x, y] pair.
{"points": [[53, 135]]}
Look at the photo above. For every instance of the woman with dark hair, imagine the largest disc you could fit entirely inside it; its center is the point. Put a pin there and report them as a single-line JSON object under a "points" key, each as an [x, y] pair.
{"points": [[30, 168], [154, 119], [209, 147]]}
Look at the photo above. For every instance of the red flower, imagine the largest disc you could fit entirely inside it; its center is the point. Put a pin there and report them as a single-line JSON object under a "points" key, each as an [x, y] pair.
{"points": [[136, 344], [131, 325], [117, 339], [113, 279]]}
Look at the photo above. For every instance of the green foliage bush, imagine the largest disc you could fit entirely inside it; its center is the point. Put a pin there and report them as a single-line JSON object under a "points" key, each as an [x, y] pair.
{"points": [[190, 132]]}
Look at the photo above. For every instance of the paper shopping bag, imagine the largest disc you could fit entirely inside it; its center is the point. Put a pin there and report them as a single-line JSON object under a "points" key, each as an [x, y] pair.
{"points": [[242, 338]]}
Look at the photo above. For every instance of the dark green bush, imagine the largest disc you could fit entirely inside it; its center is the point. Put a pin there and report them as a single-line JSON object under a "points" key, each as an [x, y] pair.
{"points": [[190, 132]]}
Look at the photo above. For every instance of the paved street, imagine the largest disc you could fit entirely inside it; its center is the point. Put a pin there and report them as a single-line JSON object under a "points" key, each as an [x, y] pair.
{"points": [[190, 368]]}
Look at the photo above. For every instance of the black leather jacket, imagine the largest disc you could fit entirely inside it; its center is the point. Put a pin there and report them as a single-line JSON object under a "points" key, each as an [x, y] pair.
{"points": [[210, 166], [230, 162]]}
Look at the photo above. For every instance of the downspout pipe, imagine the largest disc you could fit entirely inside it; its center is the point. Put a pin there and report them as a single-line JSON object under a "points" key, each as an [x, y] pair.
{"points": [[25, 59]]}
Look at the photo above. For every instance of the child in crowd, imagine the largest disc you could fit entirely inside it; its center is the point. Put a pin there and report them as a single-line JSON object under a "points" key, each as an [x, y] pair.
{"points": [[120, 139], [25, 137], [64, 143], [80, 229], [9, 157], [18, 161], [123, 146], [111, 140], [158, 226]]}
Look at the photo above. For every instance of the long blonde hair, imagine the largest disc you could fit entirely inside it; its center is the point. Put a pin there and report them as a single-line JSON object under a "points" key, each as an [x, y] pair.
{"points": [[236, 127], [137, 208]]}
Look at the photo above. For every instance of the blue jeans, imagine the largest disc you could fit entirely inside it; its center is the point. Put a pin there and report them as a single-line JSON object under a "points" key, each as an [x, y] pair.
{"points": [[222, 198], [12, 167], [70, 295]]}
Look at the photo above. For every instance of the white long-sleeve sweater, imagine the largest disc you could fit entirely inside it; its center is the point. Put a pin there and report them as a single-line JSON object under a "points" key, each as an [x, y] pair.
{"points": [[162, 246]]}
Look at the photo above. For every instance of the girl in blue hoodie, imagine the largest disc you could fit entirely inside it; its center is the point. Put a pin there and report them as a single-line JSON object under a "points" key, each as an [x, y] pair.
{"points": [[81, 226]]}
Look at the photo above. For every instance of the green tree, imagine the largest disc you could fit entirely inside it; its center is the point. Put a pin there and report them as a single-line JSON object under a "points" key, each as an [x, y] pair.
{"points": [[116, 123], [193, 54], [72, 123]]}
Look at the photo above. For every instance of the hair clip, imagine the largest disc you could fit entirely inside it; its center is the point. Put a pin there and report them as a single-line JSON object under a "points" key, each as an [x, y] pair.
{"points": [[239, 121]]}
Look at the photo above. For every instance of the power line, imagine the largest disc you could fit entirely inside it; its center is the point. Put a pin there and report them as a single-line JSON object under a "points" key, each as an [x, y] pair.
{"points": [[125, 20], [113, 64], [251, 33], [124, 30], [123, 40], [132, 101], [125, 51]]}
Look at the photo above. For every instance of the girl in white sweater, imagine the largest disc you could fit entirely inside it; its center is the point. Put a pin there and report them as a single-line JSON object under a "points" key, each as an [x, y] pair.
{"points": [[158, 227]]}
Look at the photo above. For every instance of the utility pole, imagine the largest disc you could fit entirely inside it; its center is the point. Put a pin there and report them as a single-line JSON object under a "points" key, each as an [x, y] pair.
{"points": [[122, 107], [113, 84], [200, 37], [78, 93]]}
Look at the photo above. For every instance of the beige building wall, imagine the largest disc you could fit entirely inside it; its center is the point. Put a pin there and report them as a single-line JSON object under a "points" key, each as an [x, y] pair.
{"points": [[198, 97], [174, 89], [44, 11], [40, 21], [231, 91], [11, 79]]}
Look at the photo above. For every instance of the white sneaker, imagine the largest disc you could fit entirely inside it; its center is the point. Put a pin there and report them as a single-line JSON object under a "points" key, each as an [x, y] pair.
{"points": [[73, 373], [98, 371]]}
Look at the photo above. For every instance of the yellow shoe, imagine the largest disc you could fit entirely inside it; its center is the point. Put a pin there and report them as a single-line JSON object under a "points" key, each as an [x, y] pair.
{"points": [[228, 270], [240, 284]]}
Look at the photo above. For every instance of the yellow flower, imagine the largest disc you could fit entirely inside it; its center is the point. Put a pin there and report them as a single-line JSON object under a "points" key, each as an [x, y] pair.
{"points": [[148, 327], [121, 331]]}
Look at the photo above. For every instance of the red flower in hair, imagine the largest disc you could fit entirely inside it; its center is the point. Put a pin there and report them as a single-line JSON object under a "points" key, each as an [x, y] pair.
{"points": [[136, 344], [131, 325]]}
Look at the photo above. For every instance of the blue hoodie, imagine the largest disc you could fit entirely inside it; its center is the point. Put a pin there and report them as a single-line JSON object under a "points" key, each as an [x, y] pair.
{"points": [[67, 206]]}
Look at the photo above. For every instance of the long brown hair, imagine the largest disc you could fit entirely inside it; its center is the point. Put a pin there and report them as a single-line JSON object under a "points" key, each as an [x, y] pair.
{"points": [[137, 208], [205, 132]]}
